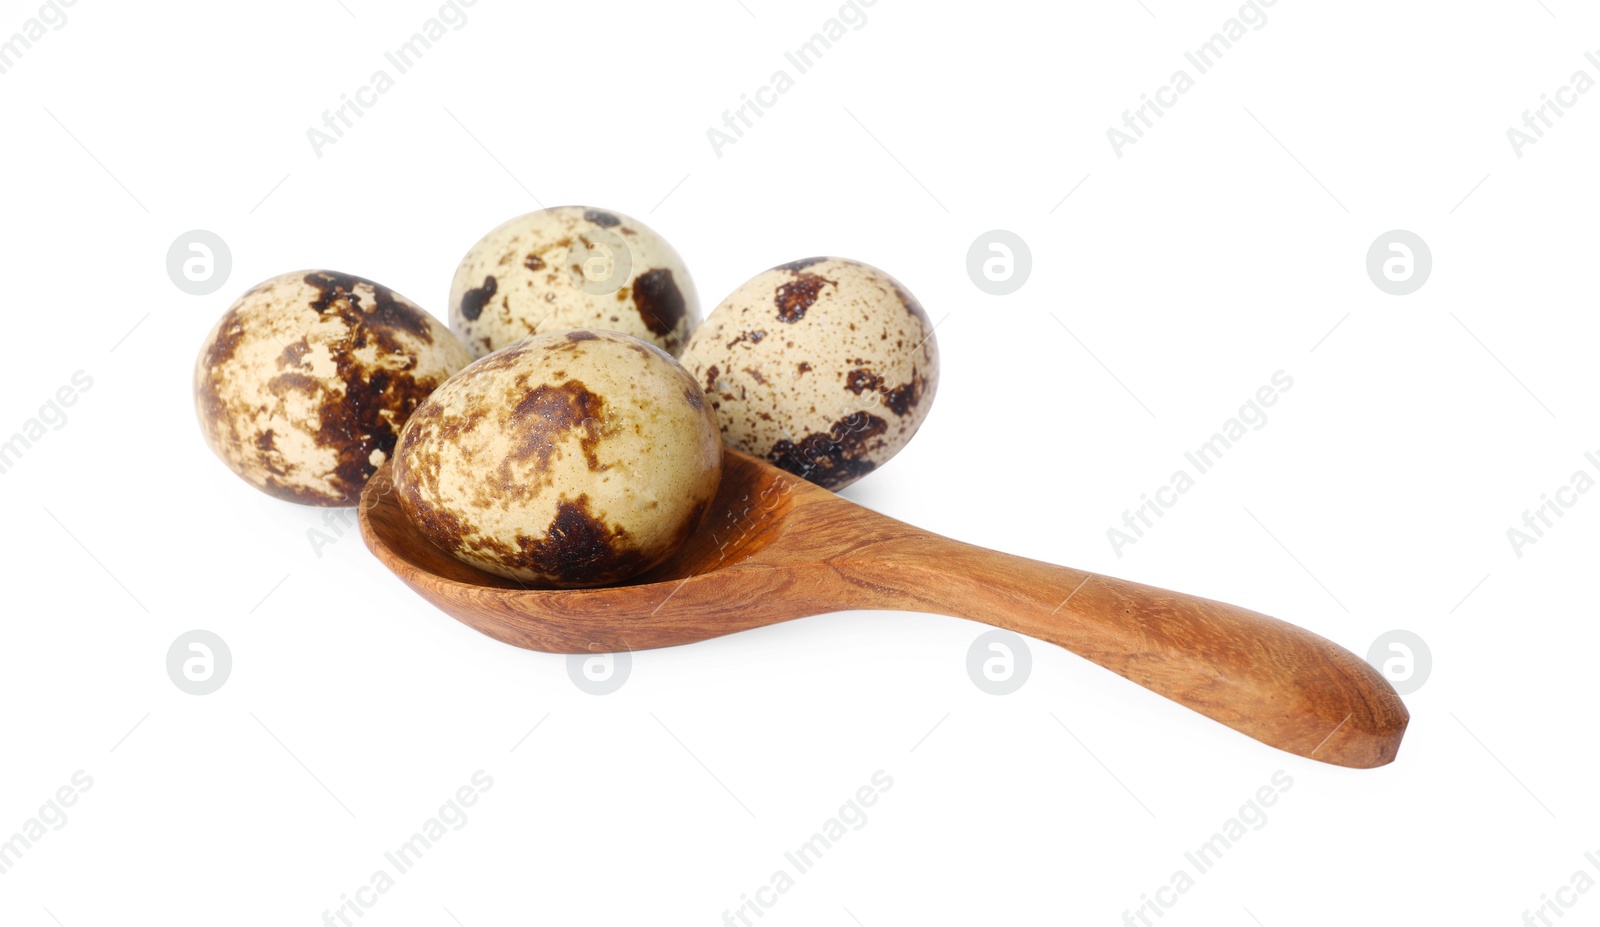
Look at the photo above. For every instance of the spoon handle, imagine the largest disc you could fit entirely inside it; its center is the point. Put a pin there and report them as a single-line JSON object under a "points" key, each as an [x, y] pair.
{"points": [[1282, 685]]}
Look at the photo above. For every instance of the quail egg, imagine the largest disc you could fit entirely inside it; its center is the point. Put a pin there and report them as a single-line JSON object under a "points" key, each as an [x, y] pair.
{"points": [[572, 267], [304, 383], [824, 366], [576, 458]]}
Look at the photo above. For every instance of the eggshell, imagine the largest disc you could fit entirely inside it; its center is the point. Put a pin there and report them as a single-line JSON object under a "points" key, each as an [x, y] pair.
{"points": [[572, 459], [304, 383], [824, 366], [572, 267]]}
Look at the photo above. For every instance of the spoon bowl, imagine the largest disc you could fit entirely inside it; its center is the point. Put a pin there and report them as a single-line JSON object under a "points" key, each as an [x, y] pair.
{"points": [[774, 547]]}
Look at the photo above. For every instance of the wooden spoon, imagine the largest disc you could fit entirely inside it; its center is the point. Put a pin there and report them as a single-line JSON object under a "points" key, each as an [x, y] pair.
{"points": [[775, 547]]}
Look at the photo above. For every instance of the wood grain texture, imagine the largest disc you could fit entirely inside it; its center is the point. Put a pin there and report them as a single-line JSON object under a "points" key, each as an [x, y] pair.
{"points": [[774, 547]]}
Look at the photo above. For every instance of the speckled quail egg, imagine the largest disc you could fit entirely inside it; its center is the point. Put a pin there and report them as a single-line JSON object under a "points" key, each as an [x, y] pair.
{"points": [[304, 383], [568, 459], [824, 366], [572, 267]]}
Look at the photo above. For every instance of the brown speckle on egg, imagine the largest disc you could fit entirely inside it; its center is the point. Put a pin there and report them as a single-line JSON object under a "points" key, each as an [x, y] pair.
{"points": [[861, 379], [473, 300], [796, 296], [839, 456], [660, 303]]}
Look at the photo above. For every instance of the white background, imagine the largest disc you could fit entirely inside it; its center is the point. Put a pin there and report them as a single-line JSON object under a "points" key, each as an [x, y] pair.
{"points": [[1226, 245]]}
